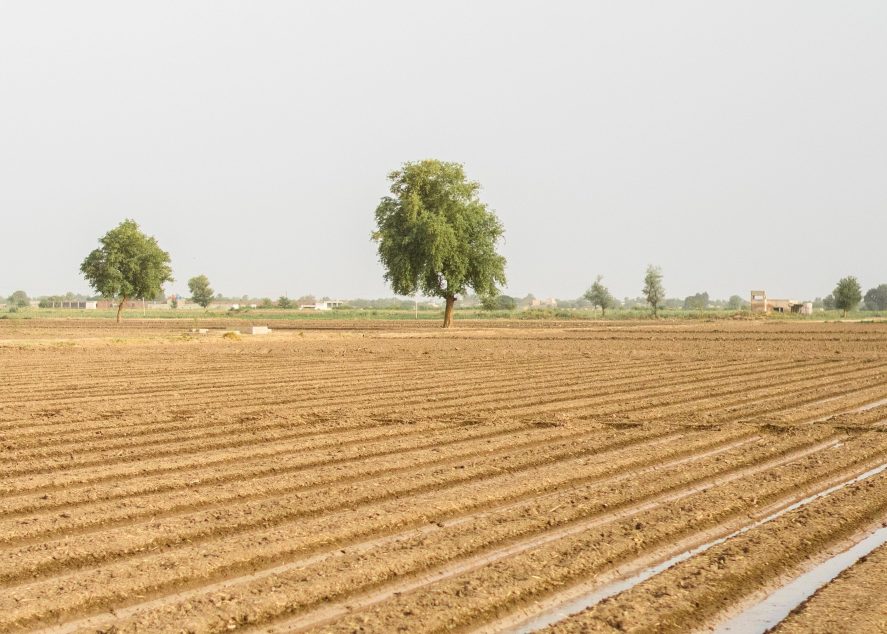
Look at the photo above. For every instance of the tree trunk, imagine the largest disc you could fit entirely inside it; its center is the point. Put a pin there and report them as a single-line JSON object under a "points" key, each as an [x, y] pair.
{"points": [[448, 313], [120, 309]]}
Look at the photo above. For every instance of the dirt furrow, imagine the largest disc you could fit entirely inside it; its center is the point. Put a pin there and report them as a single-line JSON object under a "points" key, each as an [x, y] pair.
{"points": [[158, 437], [856, 601], [450, 504], [427, 376], [698, 590], [467, 547], [317, 473], [759, 390], [535, 401], [564, 508], [398, 452], [471, 597], [68, 462]]}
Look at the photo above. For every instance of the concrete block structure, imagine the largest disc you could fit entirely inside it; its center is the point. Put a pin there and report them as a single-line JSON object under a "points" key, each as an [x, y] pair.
{"points": [[760, 303]]}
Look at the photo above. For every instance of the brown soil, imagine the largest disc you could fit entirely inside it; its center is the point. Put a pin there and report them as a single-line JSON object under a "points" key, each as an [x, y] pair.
{"points": [[347, 476], [856, 601]]}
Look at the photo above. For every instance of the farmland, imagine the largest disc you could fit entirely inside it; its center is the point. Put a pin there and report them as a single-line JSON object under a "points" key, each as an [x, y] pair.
{"points": [[377, 476]]}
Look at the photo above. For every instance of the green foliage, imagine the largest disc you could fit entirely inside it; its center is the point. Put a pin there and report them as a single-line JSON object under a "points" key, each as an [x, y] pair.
{"points": [[699, 301], [500, 302], [127, 265], [266, 303], [735, 302], [654, 291], [599, 295], [201, 293], [435, 237], [876, 298], [828, 302], [284, 302], [19, 299], [847, 294]]}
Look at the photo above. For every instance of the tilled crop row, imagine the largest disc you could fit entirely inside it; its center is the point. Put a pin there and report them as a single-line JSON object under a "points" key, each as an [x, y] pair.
{"points": [[470, 598], [419, 379], [412, 574], [704, 587], [856, 602], [403, 477], [488, 387], [321, 470], [285, 536], [273, 432]]}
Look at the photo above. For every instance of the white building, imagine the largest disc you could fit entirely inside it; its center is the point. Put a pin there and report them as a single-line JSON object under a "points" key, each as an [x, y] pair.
{"points": [[321, 305]]}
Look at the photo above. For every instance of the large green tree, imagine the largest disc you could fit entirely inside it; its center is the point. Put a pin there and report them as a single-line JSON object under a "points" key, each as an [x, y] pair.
{"points": [[435, 235], [599, 295], [847, 294], [876, 298], [127, 265], [201, 292], [653, 290]]}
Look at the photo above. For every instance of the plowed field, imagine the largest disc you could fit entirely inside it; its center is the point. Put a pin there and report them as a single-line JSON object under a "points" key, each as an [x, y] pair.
{"points": [[502, 476]]}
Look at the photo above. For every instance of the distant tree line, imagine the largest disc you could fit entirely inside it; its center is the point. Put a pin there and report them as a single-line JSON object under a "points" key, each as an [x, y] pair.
{"points": [[435, 238]]}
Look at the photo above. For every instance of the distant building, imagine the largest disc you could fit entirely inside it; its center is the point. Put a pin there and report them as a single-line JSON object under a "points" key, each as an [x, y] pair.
{"points": [[105, 304], [760, 303], [321, 305]]}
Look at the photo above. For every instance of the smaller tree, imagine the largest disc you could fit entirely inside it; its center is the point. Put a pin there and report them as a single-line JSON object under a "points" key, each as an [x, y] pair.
{"points": [[828, 302], [735, 302], [284, 302], [654, 291], [847, 294], [699, 301], [876, 298], [127, 265], [19, 299], [201, 293], [599, 295], [498, 302]]}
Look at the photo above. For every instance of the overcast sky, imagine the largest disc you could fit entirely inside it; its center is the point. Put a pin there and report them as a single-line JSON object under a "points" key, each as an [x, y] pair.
{"points": [[738, 145]]}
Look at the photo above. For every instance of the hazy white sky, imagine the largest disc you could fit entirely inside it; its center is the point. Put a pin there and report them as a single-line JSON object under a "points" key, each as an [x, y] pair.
{"points": [[736, 144]]}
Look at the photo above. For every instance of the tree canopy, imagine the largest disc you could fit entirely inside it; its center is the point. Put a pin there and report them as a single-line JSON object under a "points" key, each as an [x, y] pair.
{"points": [[599, 295], [654, 291], [127, 265], [847, 294], [699, 301], [19, 299], [876, 298], [436, 237], [201, 292], [500, 302]]}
